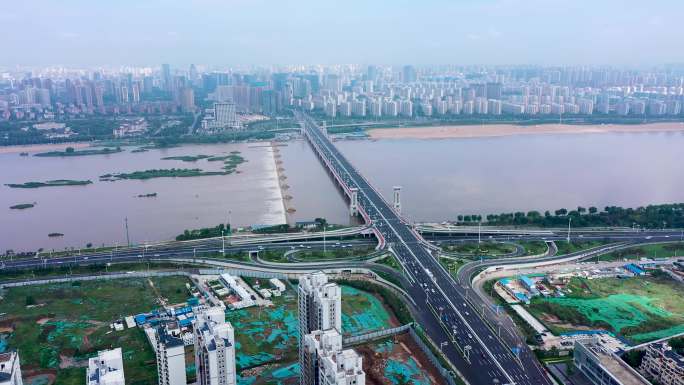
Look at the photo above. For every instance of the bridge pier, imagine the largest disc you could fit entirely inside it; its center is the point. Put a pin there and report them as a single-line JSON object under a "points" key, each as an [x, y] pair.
{"points": [[397, 198], [354, 201]]}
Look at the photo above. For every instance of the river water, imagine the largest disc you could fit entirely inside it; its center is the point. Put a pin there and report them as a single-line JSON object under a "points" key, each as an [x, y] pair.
{"points": [[95, 213], [440, 179]]}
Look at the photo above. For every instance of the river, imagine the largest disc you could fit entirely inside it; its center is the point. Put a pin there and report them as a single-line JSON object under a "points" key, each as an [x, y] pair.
{"points": [[440, 179]]}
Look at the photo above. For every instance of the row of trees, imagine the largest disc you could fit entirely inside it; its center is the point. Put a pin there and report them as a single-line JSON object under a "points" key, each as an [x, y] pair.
{"points": [[653, 216]]}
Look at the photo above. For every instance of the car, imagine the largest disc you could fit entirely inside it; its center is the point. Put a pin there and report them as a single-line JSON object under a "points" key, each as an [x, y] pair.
{"points": [[156, 255]]}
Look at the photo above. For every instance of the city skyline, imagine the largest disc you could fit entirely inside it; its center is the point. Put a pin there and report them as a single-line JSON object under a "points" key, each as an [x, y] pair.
{"points": [[249, 33]]}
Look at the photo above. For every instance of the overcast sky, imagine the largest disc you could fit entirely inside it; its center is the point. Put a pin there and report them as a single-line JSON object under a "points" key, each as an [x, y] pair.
{"points": [[239, 32]]}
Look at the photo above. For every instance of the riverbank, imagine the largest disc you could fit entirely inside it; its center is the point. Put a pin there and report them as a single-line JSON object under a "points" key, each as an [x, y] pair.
{"points": [[497, 130], [42, 147]]}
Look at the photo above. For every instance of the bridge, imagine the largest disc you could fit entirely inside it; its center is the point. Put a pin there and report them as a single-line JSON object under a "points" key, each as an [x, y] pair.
{"points": [[466, 338]]}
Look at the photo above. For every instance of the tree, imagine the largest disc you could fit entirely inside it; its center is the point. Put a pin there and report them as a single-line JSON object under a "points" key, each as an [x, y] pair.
{"points": [[460, 218], [69, 150], [30, 300], [593, 210], [561, 212], [581, 209]]}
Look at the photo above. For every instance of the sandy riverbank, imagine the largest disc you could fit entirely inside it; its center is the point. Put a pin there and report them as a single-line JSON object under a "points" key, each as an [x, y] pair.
{"points": [[493, 130], [42, 147]]}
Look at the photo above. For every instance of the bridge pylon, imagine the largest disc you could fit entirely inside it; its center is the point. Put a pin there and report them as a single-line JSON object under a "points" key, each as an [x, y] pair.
{"points": [[397, 198], [354, 201]]}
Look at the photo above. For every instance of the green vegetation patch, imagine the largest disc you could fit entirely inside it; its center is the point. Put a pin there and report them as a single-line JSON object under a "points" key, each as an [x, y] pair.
{"points": [[57, 327], [162, 173], [362, 312], [50, 183], [658, 250], [575, 246], [639, 308], [187, 158], [484, 248], [534, 247], [22, 206], [71, 152]]}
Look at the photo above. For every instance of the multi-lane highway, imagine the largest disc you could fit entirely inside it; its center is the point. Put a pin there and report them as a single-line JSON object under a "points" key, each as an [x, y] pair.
{"points": [[465, 337]]}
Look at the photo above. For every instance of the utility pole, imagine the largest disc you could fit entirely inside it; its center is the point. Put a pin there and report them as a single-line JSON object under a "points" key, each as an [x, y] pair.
{"points": [[324, 249], [230, 228], [128, 239], [569, 221], [479, 232], [223, 243]]}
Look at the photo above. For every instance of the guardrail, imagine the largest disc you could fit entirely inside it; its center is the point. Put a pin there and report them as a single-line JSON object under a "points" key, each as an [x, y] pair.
{"points": [[448, 375]]}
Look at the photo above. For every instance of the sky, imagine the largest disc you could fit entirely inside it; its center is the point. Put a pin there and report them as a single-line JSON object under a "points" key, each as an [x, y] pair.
{"points": [[85, 33]]}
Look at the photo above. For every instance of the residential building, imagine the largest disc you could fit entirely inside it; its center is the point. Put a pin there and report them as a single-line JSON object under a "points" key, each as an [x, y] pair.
{"points": [[10, 369], [214, 348], [663, 364], [326, 363], [106, 368], [603, 367], [320, 308], [170, 352]]}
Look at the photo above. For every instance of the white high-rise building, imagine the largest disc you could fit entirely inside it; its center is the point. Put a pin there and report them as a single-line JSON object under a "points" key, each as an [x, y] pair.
{"points": [[214, 348], [326, 363], [320, 308], [106, 368], [170, 352], [10, 369]]}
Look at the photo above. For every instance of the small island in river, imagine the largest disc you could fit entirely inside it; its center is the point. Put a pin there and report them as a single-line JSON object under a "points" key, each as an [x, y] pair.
{"points": [[50, 183], [69, 151], [22, 206], [162, 173]]}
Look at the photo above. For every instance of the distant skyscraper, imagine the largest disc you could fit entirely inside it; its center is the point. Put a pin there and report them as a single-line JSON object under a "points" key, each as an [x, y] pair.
{"points": [[188, 100], [10, 369], [214, 348], [166, 77], [106, 368], [409, 74], [135, 92]]}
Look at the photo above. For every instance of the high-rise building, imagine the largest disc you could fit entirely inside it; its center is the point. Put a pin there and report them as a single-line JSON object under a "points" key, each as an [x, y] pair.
{"points": [[320, 308], [214, 348], [106, 368], [166, 77], [494, 90], [326, 363], [188, 100], [10, 369], [135, 92], [170, 352], [409, 74]]}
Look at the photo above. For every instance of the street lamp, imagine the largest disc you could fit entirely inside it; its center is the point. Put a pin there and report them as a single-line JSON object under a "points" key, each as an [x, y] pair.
{"points": [[223, 244]]}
